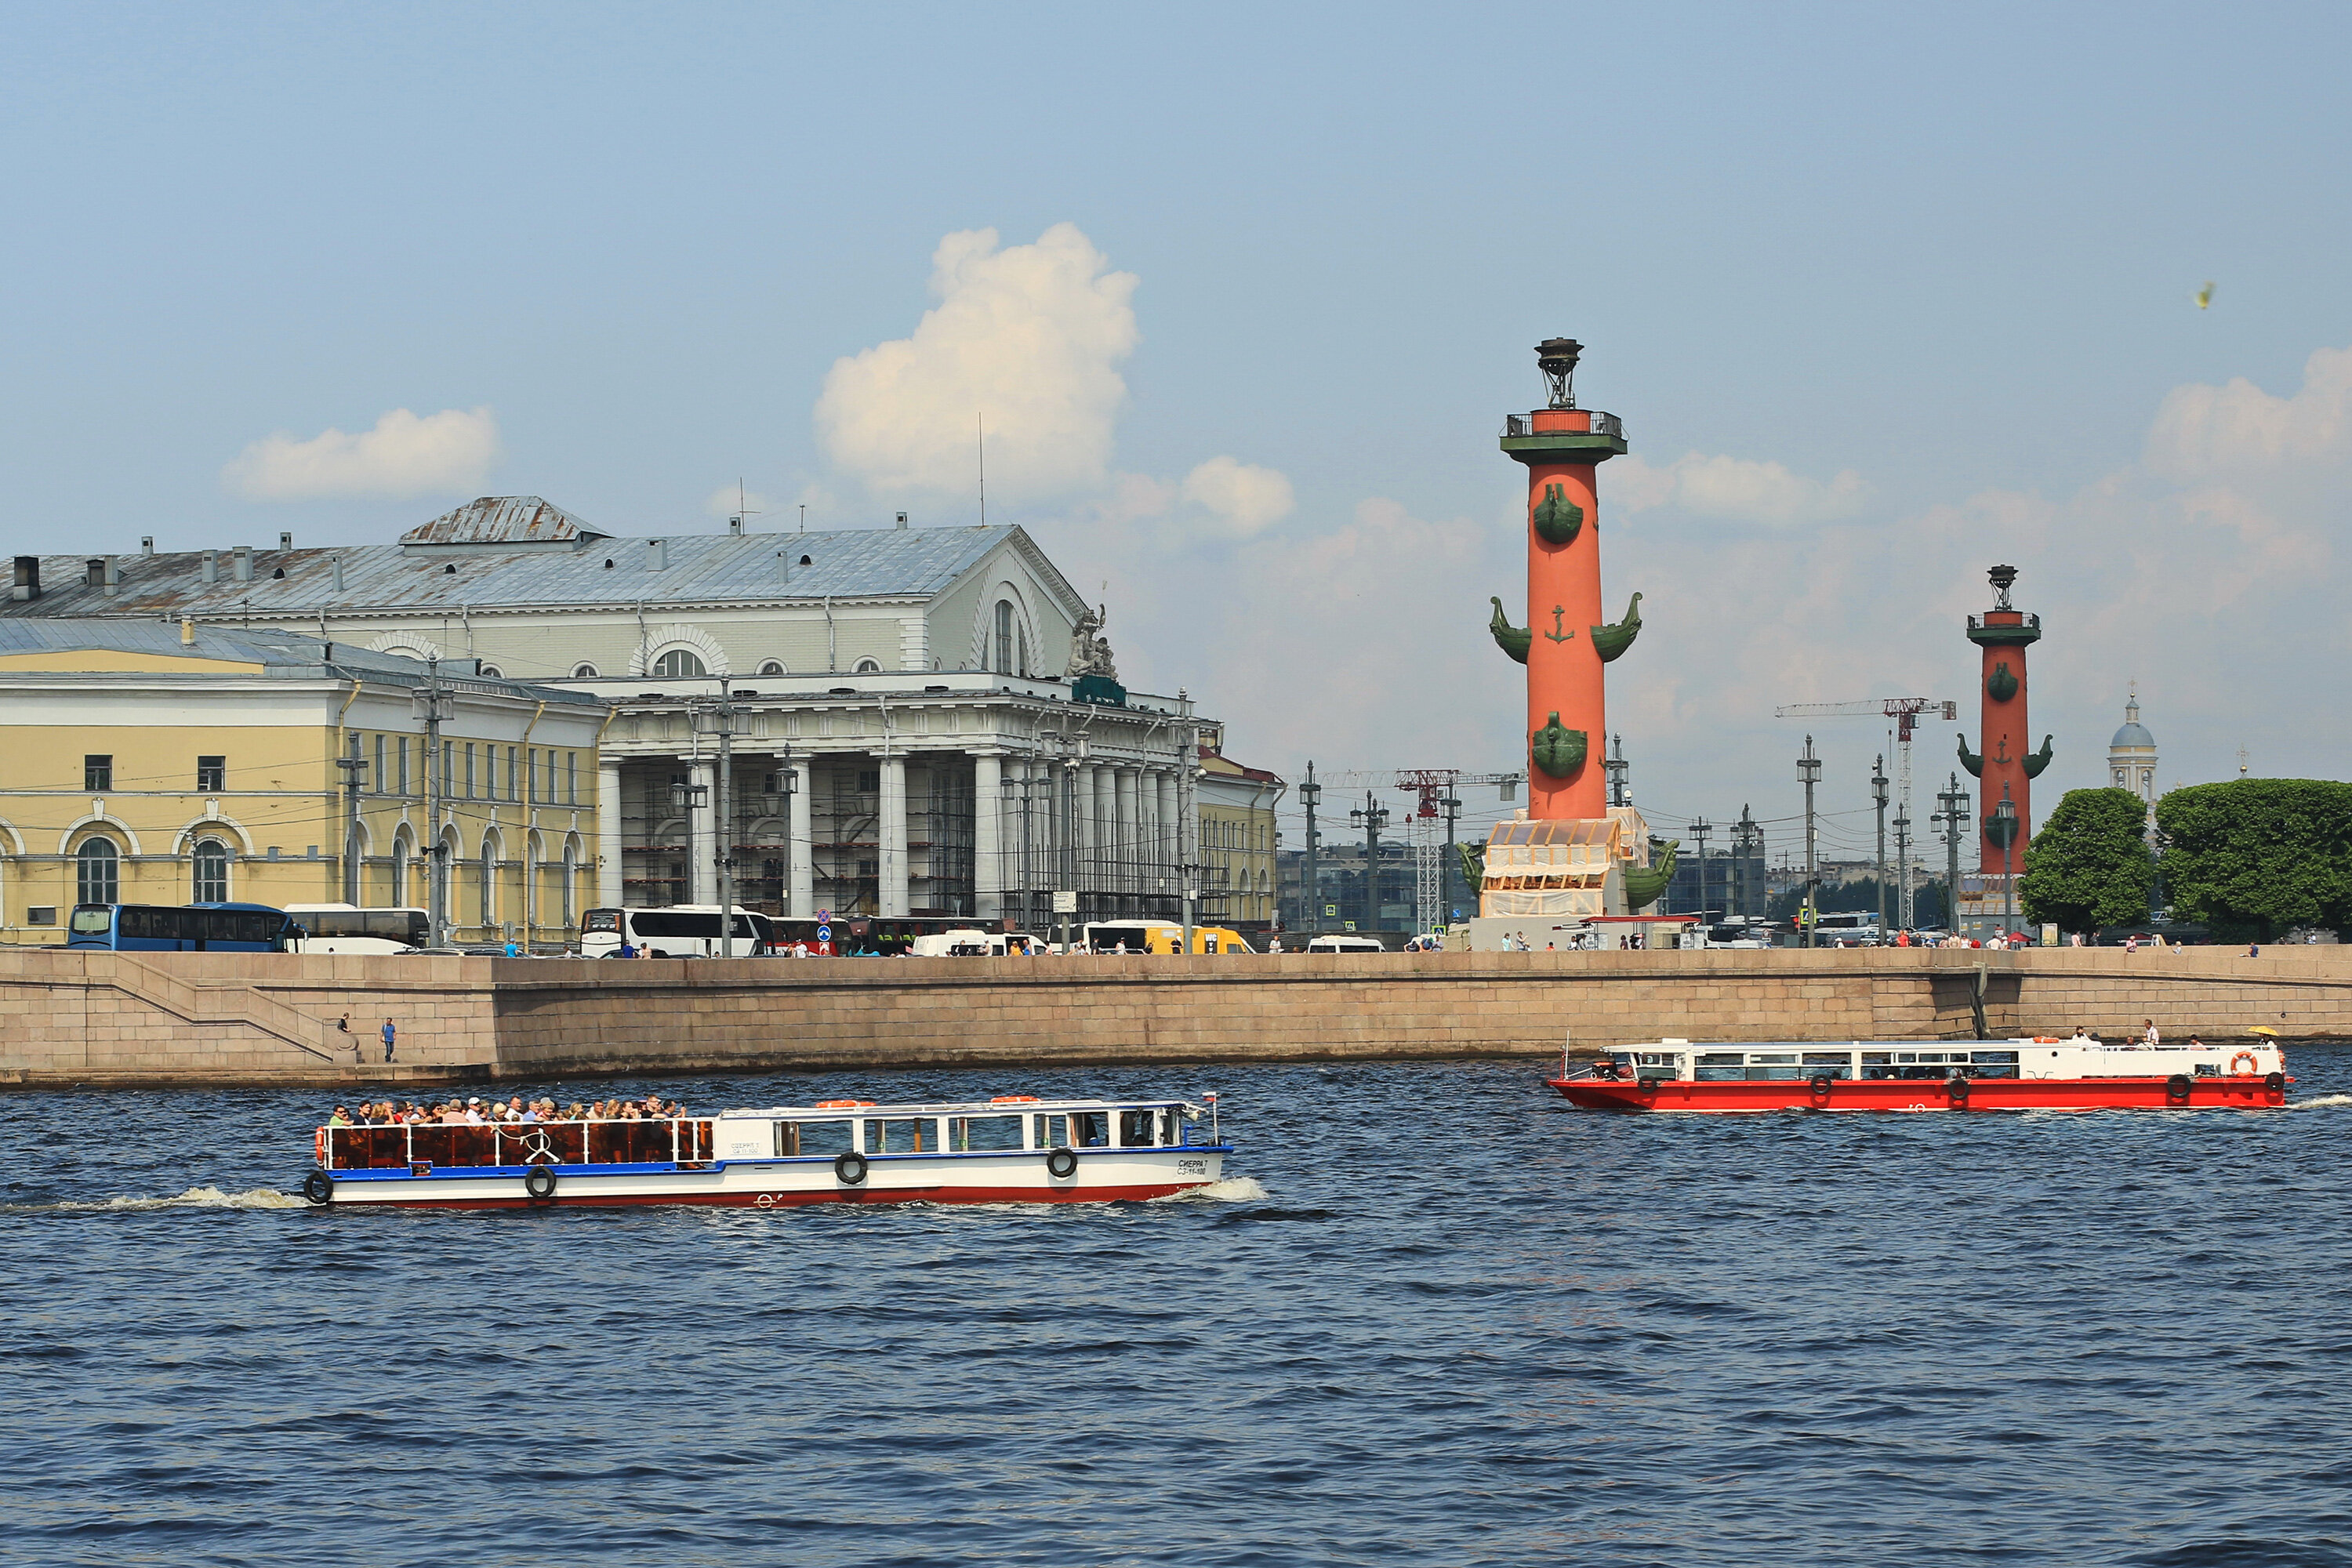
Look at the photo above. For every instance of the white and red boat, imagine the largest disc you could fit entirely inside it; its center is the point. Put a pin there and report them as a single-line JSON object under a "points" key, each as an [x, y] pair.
{"points": [[1905, 1074], [1014, 1150]]}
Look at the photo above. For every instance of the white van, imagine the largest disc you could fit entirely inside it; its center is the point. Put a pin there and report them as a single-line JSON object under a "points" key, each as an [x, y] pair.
{"points": [[971, 942], [1330, 943]]}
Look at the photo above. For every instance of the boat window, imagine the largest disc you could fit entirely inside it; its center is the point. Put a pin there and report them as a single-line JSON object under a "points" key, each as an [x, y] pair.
{"points": [[1773, 1059], [1876, 1058], [1091, 1129], [1053, 1133], [1656, 1059], [813, 1140], [1776, 1072], [1171, 1128], [1135, 1130], [902, 1135], [1833, 1064], [1991, 1056], [979, 1134], [1716, 1066]]}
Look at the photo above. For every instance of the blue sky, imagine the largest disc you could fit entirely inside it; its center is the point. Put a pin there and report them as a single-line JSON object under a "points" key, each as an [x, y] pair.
{"points": [[1948, 255]]}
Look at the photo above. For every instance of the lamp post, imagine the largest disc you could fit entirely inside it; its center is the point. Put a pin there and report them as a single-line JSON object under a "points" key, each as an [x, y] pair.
{"points": [[1452, 807], [1372, 816], [2004, 817], [1809, 768], [1311, 905], [1954, 799], [719, 720], [1699, 829], [1878, 793]]}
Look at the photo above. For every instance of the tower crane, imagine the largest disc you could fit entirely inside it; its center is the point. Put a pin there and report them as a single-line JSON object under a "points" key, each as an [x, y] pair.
{"points": [[1905, 712]]}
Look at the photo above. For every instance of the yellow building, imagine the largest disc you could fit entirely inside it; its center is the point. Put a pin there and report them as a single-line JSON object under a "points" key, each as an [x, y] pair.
{"points": [[1236, 806], [144, 762]]}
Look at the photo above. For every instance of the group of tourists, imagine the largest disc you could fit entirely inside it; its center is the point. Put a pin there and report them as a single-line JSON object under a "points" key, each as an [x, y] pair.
{"points": [[475, 1113]]}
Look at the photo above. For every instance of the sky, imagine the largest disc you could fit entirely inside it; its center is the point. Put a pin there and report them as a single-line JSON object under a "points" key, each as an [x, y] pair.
{"points": [[1240, 296]]}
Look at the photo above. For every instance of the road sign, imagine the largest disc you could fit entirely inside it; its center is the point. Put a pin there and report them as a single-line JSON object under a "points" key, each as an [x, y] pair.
{"points": [[824, 916], [1066, 903], [825, 933], [1330, 909]]}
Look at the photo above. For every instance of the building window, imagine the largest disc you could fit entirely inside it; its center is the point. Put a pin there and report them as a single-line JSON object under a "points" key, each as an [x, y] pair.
{"points": [[514, 785], [771, 666], [584, 672], [679, 663], [488, 887], [572, 777], [449, 763], [402, 745], [1021, 666], [96, 872], [211, 871], [212, 773], [493, 672], [399, 873], [98, 773], [531, 774], [469, 769], [868, 667], [382, 785], [571, 869], [1002, 663]]}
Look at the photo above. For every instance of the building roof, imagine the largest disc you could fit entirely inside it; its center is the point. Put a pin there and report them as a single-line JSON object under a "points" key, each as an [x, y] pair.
{"points": [[282, 655], [491, 574], [2132, 733]]}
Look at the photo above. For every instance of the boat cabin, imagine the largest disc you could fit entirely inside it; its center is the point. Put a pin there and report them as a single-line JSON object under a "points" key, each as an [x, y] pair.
{"points": [[1802, 1061], [1009, 1125]]}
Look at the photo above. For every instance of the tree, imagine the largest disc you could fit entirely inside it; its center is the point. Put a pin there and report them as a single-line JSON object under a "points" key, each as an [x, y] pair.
{"points": [[2089, 865], [2255, 858]]}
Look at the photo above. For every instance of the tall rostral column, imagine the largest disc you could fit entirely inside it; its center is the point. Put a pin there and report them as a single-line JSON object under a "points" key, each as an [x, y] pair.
{"points": [[2006, 766], [1566, 642]]}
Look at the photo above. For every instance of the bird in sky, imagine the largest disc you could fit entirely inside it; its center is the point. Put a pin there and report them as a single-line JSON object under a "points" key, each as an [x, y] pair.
{"points": [[2205, 295]]}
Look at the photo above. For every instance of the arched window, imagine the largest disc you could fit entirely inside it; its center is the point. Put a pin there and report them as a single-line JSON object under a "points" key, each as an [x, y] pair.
{"points": [[489, 885], [679, 662], [400, 853], [1003, 661], [493, 672], [771, 666], [211, 871], [96, 868], [571, 869], [584, 672], [867, 667]]}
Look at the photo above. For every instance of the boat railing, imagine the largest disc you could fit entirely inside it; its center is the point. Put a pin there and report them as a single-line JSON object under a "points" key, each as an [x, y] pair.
{"points": [[656, 1141]]}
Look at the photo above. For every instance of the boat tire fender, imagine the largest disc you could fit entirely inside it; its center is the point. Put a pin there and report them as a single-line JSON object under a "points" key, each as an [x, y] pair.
{"points": [[318, 1189], [850, 1169], [1060, 1164], [2275, 1083], [1820, 1084], [538, 1185], [2177, 1089], [1957, 1090]]}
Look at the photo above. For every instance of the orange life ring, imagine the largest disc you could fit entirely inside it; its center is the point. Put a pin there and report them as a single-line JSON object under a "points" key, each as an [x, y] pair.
{"points": [[1014, 1099], [2046, 1039], [843, 1104], [319, 1146], [2252, 1063]]}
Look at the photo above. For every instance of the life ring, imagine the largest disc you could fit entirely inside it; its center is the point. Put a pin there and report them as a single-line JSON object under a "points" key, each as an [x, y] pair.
{"points": [[2275, 1083], [1013, 1099], [318, 1188], [1956, 1088], [1820, 1085], [850, 1169], [843, 1104], [2177, 1089], [1060, 1164], [2047, 1040], [319, 1146], [538, 1185], [2253, 1065]]}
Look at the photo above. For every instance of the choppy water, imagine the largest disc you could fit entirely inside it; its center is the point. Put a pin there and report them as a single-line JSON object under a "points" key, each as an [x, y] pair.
{"points": [[1437, 1317]]}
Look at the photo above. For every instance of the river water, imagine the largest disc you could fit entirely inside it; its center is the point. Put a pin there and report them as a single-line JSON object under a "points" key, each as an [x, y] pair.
{"points": [[1435, 1316]]}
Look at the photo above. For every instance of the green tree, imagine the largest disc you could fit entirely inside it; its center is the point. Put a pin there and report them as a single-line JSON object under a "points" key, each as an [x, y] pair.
{"points": [[2088, 865], [2255, 858]]}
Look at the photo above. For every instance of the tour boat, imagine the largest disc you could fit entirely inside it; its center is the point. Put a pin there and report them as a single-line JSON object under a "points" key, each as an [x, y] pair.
{"points": [[1903, 1075], [1016, 1149]]}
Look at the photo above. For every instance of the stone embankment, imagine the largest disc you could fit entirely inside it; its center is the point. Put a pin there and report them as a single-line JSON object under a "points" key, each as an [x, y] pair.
{"points": [[108, 1019]]}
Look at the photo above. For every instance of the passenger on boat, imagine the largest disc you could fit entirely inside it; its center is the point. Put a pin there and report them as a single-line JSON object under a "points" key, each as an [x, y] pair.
{"points": [[2149, 1041]]}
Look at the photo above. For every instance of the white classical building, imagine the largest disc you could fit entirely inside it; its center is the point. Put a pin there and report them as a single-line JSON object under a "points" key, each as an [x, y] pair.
{"points": [[2131, 756], [925, 721]]}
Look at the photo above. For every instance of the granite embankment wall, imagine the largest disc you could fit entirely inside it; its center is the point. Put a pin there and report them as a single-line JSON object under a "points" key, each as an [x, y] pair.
{"points": [[96, 1019]]}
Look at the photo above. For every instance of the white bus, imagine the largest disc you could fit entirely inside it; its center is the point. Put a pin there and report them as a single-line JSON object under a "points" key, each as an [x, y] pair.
{"points": [[681, 931], [347, 928], [1846, 928]]}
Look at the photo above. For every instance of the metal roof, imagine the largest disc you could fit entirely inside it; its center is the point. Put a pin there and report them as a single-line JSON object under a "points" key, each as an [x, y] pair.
{"points": [[503, 519], [2132, 735], [677, 571], [284, 654]]}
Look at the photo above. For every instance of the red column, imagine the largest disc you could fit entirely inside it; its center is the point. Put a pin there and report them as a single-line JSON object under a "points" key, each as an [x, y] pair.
{"points": [[1564, 672], [2004, 743]]}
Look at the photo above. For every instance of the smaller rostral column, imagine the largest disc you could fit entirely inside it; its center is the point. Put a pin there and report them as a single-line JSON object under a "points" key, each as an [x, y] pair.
{"points": [[1565, 641], [2004, 764]]}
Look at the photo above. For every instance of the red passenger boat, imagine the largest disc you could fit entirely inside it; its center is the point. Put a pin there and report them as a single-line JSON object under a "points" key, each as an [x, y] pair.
{"points": [[1889, 1075]]}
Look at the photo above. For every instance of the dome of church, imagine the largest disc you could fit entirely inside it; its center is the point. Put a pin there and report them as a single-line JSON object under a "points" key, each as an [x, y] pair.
{"points": [[2132, 735]]}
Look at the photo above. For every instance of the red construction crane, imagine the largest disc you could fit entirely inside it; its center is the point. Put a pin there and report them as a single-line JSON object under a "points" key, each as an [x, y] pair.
{"points": [[1433, 784]]}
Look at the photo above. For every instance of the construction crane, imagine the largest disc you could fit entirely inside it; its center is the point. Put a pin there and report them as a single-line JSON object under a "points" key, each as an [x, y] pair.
{"points": [[1905, 712]]}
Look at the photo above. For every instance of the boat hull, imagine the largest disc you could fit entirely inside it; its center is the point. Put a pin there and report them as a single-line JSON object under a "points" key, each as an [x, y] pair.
{"points": [[1916, 1095]]}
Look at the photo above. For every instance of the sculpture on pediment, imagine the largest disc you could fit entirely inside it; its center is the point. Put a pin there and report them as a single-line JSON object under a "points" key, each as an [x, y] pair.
{"points": [[1089, 649]]}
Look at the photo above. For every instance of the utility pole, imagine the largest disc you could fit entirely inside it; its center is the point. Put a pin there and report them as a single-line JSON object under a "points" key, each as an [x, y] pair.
{"points": [[1310, 910], [1452, 809], [1699, 829], [1906, 911], [1188, 811], [1750, 841], [436, 853], [1615, 767], [1373, 817], [1878, 793], [354, 774], [1954, 799], [1809, 768]]}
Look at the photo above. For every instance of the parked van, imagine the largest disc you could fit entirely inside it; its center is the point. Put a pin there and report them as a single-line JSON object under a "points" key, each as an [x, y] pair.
{"points": [[1161, 936], [971, 942], [1333, 943]]}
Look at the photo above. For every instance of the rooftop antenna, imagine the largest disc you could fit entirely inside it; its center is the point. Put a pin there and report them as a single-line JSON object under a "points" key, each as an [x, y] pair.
{"points": [[804, 517], [983, 420], [742, 510]]}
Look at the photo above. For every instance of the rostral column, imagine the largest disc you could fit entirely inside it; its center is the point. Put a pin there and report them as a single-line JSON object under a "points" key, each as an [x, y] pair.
{"points": [[2005, 767], [1566, 643]]}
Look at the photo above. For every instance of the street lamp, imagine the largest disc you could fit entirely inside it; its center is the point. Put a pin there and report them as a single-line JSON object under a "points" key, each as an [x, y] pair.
{"points": [[1311, 905], [1809, 768], [1954, 803], [2004, 827]]}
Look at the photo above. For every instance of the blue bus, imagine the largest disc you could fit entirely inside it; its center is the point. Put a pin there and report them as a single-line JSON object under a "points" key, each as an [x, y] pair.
{"points": [[188, 928]]}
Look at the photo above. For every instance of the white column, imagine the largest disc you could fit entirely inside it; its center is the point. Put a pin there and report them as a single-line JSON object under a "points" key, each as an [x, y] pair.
{"points": [[1127, 836], [802, 869], [1170, 849], [1106, 828], [701, 875], [894, 835], [608, 832], [987, 877]]}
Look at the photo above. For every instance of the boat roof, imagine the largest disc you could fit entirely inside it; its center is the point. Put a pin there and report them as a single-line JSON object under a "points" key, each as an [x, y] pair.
{"points": [[1010, 1106]]}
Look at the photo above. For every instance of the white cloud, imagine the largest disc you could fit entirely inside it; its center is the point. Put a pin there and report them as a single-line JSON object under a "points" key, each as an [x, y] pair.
{"points": [[1029, 338], [1243, 498], [1735, 488], [2202, 430], [453, 450]]}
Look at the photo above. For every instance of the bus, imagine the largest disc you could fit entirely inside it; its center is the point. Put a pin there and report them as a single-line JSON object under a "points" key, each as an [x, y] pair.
{"points": [[347, 928], [681, 931], [186, 928], [1845, 928], [1159, 936]]}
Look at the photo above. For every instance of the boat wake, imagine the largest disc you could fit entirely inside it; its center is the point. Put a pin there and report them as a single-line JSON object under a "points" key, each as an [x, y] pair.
{"points": [[1232, 1190], [2317, 1102], [193, 1198]]}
